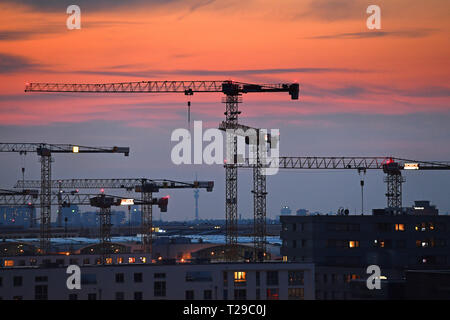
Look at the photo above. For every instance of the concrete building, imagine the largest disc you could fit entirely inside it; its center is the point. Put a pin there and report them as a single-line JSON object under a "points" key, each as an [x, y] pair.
{"points": [[137, 281], [302, 212], [427, 284], [343, 246], [285, 210], [17, 216]]}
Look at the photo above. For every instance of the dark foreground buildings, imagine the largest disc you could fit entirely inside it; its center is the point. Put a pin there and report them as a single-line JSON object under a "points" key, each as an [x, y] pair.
{"points": [[343, 246], [142, 281]]}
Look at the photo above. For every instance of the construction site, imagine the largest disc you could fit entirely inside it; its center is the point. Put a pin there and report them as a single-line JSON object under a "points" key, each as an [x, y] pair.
{"points": [[48, 193], [118, 184]]}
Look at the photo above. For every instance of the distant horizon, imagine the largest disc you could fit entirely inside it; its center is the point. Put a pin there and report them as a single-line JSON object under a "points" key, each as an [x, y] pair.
{"points": [[363, 92]]}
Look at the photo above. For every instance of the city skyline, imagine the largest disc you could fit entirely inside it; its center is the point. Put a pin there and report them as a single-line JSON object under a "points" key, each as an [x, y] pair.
{"points": [[362, 92]]}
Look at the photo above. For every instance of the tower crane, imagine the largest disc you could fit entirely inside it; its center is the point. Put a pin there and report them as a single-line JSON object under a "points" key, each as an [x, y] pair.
{"points": [[45, 151], [233, 92], [140, 185], [391, 166], [102, 201], [258, 141]]}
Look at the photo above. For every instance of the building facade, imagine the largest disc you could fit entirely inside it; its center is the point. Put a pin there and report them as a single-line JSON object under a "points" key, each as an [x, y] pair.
{"points": [[214, 281], [343, 246]]}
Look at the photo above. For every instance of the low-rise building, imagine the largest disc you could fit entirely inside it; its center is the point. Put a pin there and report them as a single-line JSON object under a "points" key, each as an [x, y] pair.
{"points": [[189, 281]]}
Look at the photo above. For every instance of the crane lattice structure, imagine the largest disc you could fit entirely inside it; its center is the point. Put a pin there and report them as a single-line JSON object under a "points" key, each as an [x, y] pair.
{"points": [[102, 201], [45, 151], [233, 91], [391, 166], [258, 141], [146, 187]]}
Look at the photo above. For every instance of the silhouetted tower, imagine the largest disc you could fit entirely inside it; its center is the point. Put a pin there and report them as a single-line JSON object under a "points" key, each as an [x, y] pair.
{"points": [[196, 195]]}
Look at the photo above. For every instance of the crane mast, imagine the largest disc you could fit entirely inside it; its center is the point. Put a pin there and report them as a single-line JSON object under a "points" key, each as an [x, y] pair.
{"points": [[233, 91], [102, 201], [391, 166], [45, 151], [146, 187]]}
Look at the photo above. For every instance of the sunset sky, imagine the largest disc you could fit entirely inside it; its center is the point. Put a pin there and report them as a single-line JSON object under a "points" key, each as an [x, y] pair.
{"points": [[362, 92]]}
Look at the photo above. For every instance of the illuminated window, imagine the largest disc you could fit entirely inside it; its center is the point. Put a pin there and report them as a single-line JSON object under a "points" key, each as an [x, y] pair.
{"points": [[240, 277], [424, 226], [108, 260], [425, 243], [296, 294], [131, 260], [295, 278], [285, 258], [9, 263], [353, 244], [399, 227], [120, 260], [143, 259], [273, 294]]}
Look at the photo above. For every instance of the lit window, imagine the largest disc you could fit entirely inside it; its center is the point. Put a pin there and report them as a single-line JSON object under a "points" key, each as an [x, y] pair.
{"points": [[296, 294], [239, 276], [108, 260], [399, 227], [131, 260], [9, 263], [143, 259], [353, 244], [272, 294], [120, 260]]}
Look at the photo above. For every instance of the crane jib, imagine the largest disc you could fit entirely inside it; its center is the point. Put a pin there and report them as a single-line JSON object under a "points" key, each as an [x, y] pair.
{"points": [[187, 87]]}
